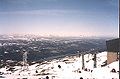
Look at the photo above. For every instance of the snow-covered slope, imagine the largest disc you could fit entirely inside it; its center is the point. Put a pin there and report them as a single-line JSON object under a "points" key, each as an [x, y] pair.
{"points": [[66, 68]]}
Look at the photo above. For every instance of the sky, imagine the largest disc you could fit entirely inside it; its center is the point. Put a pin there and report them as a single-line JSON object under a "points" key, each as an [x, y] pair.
{"points": [[59, 17]]}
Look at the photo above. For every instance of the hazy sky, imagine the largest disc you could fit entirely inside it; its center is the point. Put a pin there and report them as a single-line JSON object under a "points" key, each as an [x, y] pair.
{"points": [[59, 17]]}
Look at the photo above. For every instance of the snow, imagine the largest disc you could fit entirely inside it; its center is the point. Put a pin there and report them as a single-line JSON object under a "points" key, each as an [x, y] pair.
{"points": [[70, 69]]}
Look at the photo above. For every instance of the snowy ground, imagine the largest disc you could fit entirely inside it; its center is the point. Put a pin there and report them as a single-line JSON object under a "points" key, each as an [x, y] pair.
{"points": [[70, 68]]}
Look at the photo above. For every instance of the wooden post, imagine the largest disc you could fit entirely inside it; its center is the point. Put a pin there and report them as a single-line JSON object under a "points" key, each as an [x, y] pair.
{"points": [[95, 62], [83, 64]]}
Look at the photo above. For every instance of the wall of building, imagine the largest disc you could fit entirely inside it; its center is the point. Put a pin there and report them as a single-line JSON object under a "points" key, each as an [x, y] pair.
{"points": [[111, 57]]}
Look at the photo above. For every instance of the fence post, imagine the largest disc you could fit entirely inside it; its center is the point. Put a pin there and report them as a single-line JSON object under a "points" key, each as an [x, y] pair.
{"points": [[95, 61], [83, 64]]}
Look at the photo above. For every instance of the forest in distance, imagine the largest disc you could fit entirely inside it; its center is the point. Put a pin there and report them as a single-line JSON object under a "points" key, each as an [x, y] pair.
{"points": [[41, 48]]}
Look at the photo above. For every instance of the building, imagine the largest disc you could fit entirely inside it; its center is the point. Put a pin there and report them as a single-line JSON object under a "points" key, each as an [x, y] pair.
{"points": [[113, 49]]}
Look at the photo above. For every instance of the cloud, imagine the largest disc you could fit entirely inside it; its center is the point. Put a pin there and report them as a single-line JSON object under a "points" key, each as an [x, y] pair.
{"points": [[41, 12], [49, 0], [113, 2], [18, 1], [27, 1]]}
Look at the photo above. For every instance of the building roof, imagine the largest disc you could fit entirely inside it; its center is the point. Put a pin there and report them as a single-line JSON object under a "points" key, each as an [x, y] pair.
{"points": [[113, 45]]}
